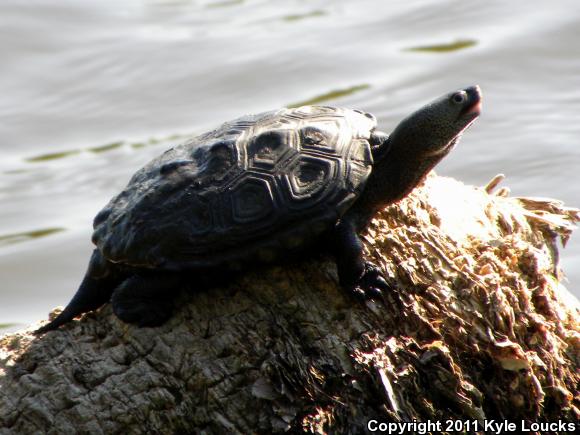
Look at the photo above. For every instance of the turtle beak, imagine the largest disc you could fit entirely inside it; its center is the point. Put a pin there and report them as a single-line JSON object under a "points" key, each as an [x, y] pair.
{"points": [[473, 105]]}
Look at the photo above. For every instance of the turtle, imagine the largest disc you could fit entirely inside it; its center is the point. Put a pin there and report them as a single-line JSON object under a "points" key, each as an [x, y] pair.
{"points": [[256, 190]]}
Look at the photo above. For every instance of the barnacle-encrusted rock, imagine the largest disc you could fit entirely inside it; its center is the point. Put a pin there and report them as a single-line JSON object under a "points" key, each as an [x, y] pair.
{"points": [[478, 327]]}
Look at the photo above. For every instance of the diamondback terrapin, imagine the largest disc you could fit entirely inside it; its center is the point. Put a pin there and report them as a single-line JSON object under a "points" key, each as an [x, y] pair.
{"points": [[254, 190]]}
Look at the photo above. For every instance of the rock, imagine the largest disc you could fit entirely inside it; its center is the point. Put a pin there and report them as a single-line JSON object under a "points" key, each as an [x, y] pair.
{"points": [[478, 326]]}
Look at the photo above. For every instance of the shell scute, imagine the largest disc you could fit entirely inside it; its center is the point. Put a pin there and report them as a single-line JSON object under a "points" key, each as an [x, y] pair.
{"points": [[248, 189]]}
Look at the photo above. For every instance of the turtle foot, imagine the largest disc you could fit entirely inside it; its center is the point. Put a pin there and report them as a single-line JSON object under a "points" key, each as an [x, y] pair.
{"points": [[143, 301], [142, 314], [372, 285]]}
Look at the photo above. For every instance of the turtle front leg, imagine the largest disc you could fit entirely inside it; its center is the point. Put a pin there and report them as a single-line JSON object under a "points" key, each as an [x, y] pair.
{"points": [[146, 298], [363, 278]]}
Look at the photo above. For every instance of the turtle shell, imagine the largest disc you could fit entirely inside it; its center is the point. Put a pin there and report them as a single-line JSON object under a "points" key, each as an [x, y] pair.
{"points": [[253, 187]]}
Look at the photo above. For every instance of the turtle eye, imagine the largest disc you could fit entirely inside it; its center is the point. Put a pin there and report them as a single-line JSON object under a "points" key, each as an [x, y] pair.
{"points": [[459, 97]]}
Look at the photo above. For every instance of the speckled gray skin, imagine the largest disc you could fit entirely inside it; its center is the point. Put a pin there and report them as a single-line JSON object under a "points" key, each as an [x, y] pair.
{"points": [[252, 191]]}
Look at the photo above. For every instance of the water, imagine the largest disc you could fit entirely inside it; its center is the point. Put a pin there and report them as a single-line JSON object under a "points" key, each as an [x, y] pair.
{"points": [[92, 90]]}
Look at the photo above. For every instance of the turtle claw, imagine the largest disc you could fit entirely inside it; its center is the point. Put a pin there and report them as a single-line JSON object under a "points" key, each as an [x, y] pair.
{"points": [[371, 285]]}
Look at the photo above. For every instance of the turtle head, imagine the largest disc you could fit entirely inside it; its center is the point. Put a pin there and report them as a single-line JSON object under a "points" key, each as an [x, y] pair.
{"points": [[433, 130], [417, 144]]}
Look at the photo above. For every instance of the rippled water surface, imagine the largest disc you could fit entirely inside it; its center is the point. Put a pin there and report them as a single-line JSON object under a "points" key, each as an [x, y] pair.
{"points": [[92, 90]]}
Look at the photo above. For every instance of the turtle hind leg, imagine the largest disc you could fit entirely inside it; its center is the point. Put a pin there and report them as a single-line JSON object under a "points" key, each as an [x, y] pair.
{"points": [[95, 290], [146, 299]]}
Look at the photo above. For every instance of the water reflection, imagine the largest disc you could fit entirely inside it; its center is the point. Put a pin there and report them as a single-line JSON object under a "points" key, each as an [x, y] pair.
{"points": [[100, 149], [51, 156], [460, 44], [298, 17], [331, 95], [225, 3], [92, 92], [8, 239]]}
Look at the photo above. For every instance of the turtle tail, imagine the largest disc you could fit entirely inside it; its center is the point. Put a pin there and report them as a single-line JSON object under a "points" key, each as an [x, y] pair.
{"points": [[95, 290]]}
